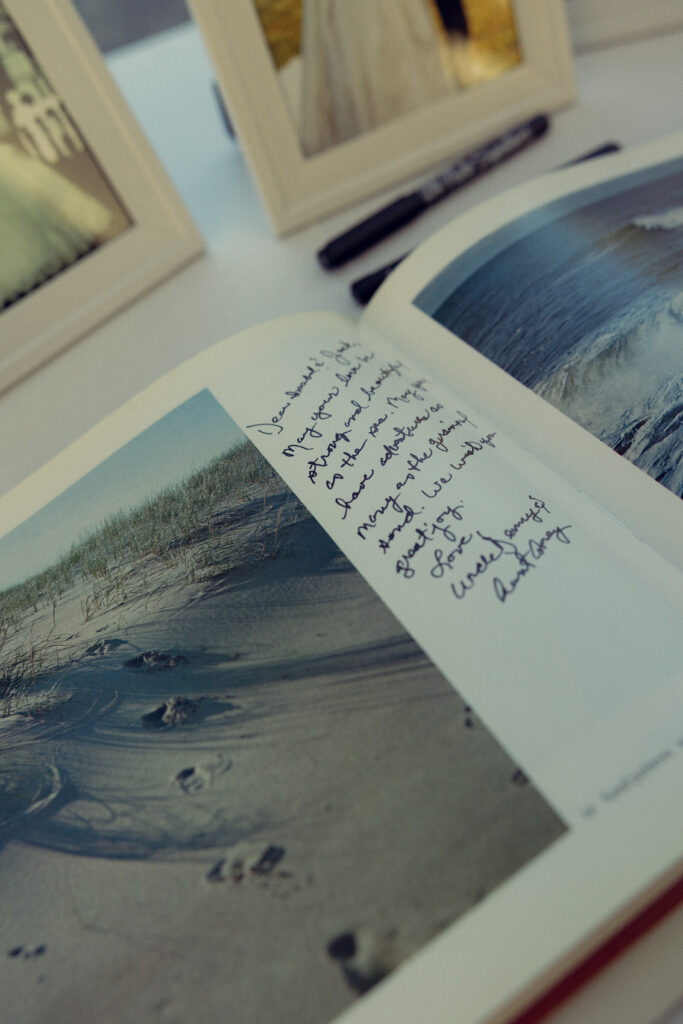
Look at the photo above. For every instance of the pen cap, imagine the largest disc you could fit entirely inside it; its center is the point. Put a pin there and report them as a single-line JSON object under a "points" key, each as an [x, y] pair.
{"points": [[361, 236], [539, 125]]}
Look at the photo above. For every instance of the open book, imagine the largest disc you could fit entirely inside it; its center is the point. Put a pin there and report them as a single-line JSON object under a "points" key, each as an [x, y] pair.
{"points": [[341, 670]]}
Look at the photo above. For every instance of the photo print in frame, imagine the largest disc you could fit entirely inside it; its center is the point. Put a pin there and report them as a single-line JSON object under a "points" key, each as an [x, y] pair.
{"points": [[88, 217], [327, 115]]}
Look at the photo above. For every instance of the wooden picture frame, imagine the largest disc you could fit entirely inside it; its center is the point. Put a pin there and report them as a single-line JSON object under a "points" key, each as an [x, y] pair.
{"points": [[66, 132], [298, 188], [614, 21]]}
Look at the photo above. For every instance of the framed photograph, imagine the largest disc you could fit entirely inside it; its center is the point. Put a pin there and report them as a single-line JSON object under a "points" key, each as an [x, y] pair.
{"points": [[88, 218], [333, 100], [613, 21]]}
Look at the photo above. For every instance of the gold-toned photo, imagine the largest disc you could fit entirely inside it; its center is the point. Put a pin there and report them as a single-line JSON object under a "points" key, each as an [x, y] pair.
{"points": [[334, 100], [337, 59], [56, 205]]}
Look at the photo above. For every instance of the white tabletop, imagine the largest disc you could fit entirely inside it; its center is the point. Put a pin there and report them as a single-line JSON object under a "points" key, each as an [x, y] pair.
{"points": [[630, 93]]}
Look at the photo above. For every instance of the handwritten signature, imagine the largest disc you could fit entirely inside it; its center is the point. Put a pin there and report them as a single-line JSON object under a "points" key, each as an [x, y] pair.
{"points": [[519, 561]]}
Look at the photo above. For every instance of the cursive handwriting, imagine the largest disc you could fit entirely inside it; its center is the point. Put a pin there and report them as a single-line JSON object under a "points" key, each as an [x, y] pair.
{"points": [[385, 543], [535, 513], [346, 503], [388, 457], [528, 559], [391, 502], [358, 410], [385, 373], [346, 377], [471, 448], [460, 421], [274, 425], [322, 461], [491, 550], [337, 355], [406, 431], [415, 391], [425, 534]]}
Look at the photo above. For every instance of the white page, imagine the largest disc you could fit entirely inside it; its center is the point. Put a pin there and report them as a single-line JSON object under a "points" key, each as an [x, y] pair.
{"points": [[543, 611]]}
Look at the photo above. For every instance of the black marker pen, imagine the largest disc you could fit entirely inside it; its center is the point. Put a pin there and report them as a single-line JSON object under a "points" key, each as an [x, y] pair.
{"points": [[407, 207]]}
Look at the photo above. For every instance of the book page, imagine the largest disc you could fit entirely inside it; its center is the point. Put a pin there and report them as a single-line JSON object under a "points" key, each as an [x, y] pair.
{"points": [[570, 287], [559, 628], [326, 765], [208, 716], [548, 615]]}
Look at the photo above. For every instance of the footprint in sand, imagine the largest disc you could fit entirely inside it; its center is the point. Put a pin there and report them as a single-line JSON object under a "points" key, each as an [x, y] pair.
{"points": [[102, 647], [365, 957], [154, 661], [26, 954], [260, 864], [198, 777], [174, 711], [184, 711]]}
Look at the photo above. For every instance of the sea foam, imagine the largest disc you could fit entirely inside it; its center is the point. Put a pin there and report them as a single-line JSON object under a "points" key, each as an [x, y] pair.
{"points": [[666, 220]]}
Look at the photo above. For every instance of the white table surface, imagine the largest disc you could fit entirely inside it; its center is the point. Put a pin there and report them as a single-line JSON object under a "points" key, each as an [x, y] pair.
{"points": [[630, 93]]}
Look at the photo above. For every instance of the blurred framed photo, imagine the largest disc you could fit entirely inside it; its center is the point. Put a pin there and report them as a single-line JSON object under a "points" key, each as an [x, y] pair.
{"points": [[88, 218], [333, 100], [613, 21]]}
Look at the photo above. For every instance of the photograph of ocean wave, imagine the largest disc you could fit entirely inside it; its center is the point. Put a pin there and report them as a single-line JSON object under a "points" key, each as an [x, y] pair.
{"points": [[232, 787], [582, 301]]}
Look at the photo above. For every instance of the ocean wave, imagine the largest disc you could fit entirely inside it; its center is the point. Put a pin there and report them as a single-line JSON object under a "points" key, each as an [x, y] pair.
{"points": [[666, 220], [625, 385], [676, 306], [591, 366], [653, 439]]}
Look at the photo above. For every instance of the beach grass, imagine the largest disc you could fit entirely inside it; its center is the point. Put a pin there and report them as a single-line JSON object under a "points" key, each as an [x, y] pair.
{"points": [[182, 528]]}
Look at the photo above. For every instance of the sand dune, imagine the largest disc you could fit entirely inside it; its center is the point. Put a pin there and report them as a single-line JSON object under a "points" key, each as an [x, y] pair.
{"points": [[242, 799]]}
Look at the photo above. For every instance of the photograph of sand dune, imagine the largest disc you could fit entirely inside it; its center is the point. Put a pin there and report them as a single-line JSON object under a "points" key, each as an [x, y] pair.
{"points": [[56, 204], [339, 64], [232, 787]]}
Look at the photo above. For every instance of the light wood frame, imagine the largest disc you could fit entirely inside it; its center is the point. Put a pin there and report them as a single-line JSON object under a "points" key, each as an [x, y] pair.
{"points": [[297, 190], [161, 236]]}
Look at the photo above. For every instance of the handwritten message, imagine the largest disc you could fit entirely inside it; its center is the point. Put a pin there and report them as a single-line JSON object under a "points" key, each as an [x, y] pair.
{"points": [[415, 481], [524, 592]]}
